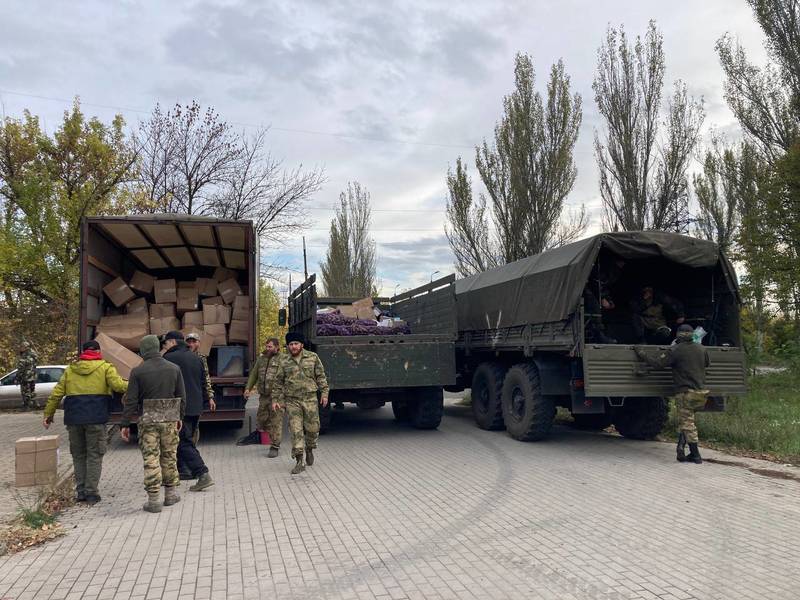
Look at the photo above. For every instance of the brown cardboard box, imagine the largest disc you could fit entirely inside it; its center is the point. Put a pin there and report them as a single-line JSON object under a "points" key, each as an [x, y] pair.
{"points": [[218, 332], [26, 445], [193, 319], [241, 308], [347, 310], [127, 330], [119, 356], [164, 325], [187, 296], [25, 479], [237, 333], [46, 442], [45, 477], [119, 292], [221, 274], [206, 286], [215, 314], [229, 289], [206, 341], [166, 291], [36, 460], [142, 282], [136, 306], [25, 463], [213, 300], [159, 311], [47, 460], [364, 308]]}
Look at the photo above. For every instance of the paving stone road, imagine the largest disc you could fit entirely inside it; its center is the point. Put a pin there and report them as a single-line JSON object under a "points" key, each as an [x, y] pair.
{"points": [[390, 512]]}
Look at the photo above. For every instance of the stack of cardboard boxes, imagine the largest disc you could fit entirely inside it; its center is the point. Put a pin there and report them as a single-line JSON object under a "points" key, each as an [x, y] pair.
{"points": [[36, 460], [216, 308]]}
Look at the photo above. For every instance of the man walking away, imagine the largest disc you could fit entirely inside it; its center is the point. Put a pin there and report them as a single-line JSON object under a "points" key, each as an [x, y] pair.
{"points": [[262, 375], [688, 361], [156, 391], [26, 375], [86, 387], [194, 379], [193, 342], [298, 379]]}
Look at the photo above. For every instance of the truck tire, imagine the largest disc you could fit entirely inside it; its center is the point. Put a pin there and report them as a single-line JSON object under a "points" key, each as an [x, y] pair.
{"points": [[427, 410], [527, 413], [401, 410], [641, 418], [591, 422], [487, 387]]}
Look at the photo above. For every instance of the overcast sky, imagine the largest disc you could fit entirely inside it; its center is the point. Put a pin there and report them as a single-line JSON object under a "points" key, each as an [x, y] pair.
{"points": [[386, 93]]}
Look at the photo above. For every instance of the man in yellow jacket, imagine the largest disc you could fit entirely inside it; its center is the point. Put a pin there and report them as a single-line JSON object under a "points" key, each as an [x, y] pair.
{"points": [[86, 387]]}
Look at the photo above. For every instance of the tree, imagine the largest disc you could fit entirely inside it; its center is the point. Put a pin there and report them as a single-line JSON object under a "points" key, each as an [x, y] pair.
{"points": [[350, 266], [528, 173], [268, 305], [643, 180], [715, 191]]}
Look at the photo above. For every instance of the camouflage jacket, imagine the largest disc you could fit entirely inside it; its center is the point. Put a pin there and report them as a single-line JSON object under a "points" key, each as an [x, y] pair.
{"points": [[209, 387], [26, 366], [267, 372], [299, 378]]}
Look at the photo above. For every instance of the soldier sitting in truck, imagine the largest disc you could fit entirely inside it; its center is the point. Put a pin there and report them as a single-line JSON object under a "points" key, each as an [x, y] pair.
{"points": [[650, 313], [597, 297]]}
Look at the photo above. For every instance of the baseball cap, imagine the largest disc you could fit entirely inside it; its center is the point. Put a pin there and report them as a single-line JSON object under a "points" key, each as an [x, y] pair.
{"points": [[192, 336]]}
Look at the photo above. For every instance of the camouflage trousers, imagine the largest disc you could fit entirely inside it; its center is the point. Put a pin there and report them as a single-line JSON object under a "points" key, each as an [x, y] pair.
{"points": [[28, 391], [159, 445], [270, 420], [303, 415], [686, 403], [87, 445]]}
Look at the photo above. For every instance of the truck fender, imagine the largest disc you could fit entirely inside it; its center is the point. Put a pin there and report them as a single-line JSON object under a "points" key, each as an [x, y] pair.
{"points": [[554, 375]]}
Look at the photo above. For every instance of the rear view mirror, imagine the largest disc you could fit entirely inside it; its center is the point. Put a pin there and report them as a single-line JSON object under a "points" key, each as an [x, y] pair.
{"points": [[282, 317]]}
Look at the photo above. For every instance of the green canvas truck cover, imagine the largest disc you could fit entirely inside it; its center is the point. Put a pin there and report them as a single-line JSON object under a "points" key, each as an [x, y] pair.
{"points": [[546, 287]]}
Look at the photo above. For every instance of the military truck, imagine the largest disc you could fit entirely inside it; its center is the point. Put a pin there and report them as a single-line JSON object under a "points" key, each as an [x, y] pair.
{"points": [[410, 371], [170, 246], [527, 343]]}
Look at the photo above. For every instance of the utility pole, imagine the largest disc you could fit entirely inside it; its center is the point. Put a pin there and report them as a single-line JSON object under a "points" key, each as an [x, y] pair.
{"points": [[305, 260]]}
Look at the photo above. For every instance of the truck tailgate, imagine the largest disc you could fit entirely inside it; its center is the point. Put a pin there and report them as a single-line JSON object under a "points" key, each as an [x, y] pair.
{"points": [[614, 370], [361, 362]]}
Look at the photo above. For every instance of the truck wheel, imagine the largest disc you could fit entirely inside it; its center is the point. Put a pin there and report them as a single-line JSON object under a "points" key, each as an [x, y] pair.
{"points": [[426, 411], [401, 410], [325, 417], [527, 413], [487, 387], [591, 422], [641, 418]]}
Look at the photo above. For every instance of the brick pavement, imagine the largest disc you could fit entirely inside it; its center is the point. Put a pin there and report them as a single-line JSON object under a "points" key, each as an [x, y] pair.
{"points": [[14, 425], [389, 512]]}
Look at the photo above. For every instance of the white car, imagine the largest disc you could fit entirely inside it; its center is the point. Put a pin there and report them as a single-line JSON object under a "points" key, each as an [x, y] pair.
{"points": [[47, 377]]}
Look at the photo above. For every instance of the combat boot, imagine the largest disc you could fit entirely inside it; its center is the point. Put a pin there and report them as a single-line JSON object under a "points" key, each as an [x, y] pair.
{"points": [[310, 456], [681, 449], [171, 495], [153, 503], [273, 452], [203, 482], [694, 454], [300, 466]]}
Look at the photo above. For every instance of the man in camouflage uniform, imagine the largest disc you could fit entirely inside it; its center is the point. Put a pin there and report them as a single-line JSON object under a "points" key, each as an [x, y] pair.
{"points": [[193, 341], [263, 375], [156, 390], [26, 374], [299, 377], [688, 360]]}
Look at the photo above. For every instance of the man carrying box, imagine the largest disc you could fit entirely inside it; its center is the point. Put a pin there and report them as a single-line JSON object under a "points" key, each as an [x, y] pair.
{"points": [[86, 387]]}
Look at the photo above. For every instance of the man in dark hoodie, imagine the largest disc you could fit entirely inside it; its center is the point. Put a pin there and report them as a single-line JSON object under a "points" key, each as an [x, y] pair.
{"points": [[194, 378], [86, 387], [688, 361], [156, 391]]}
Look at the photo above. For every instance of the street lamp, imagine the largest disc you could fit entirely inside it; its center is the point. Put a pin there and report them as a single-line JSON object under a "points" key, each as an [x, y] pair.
{"points": [[395, 289], [434, 273]]}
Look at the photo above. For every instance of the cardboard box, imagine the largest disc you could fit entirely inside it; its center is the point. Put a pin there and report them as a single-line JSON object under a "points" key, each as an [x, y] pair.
{"points": [[36, 460], [47, 460], [127, 330], [166, 291], [47, 442], [221, 274], [364, 308], [136, 306], [213, 300], [119, 292], [348, 311], [206, 286], [45, 477], [238, 332], [241, 308], [25, 463], [187, 296], [142, 282], [159, 311], [164, 325], [193, 319], [26, 445], [25, 479], [218, 332], [229, 289], [118, 355], [216, 314]]}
